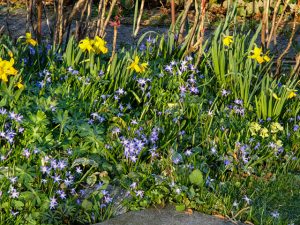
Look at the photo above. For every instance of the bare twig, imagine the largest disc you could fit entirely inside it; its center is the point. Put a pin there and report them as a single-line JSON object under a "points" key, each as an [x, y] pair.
{"points": [[103, 28], [7, 17], [59, 23], [39, 5], [279, 60], [264, 24], [296, 69], [173, 15], [79, 26], [77, 7], [273, 22], [187, 6], [135, 33], [88, 17], [101, 3], [47, 21], [103, 15], [28, 14], [200, 35], [280, 18]]}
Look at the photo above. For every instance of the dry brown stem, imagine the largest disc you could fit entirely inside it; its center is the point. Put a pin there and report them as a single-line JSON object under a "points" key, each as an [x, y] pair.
{"points": [[173, 15], [187, 6], [59, 23], [135, 33], [296, 69], [279, 60], [103, 28], [39, 5], [280, 19], [273, 23]]}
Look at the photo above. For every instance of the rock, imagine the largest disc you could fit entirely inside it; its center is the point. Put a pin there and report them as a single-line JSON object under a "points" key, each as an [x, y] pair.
{"points": [[164, 216]]}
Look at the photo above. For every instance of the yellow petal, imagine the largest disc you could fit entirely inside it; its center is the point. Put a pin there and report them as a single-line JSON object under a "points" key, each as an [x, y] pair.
{"points": [[136, 59], [20, 85], [267, 58], [275, 96], [259, 59], [28, 35], [292, 95], [227, 40], [10, 54], [137, 68], [257, 51]]}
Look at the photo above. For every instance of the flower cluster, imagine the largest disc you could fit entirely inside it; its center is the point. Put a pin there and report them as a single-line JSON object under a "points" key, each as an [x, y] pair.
{"points": [[29, 40], [256, 128], [96, 45], [258, 55], [138, 67], [227, 40], [6, 69]]}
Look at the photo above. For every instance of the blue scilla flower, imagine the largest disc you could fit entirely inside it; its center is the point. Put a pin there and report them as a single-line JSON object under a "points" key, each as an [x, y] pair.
{"points": [[31, 50]]}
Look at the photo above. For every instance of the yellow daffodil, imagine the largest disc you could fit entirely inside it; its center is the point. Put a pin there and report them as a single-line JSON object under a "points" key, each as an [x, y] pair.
{"points": [[292, 94], [136, 66], [29, 39], [275, 127], [227, 40], [6, 68], [254, 128], [100, 45], [275, 96], [86, 45], [266, 58], [143, 67], [258, 55], [264, 132], [20, 85], [10, 54]]}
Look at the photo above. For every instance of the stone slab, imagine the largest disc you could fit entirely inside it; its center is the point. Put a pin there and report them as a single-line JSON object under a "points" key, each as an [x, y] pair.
{"points": [[164, 216]]}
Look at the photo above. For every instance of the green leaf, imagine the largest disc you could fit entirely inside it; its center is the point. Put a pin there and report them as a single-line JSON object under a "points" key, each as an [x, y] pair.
{"points": [[180, 208], [84, 162], [91, 180], [87, 205], [18, 205], [196, 177], [5, 205]]}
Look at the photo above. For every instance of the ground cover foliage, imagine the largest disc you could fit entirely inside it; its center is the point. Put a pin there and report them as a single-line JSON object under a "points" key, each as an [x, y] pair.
{"points": [[218, 135]]}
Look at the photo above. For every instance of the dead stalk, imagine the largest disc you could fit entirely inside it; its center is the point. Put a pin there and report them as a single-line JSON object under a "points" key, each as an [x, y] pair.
{"points": [[112, 5], [200, 35], [7, 16], [28, 14], [264, 24], [279, 60], [102, 17], [280, 19], [296, 69], [187, 6], [191, 35], [114, 43], [88, 17], [173, 15], [101, 2], [273, 23], [39, 5], [77, 7], [139, 19], [59, 23]]}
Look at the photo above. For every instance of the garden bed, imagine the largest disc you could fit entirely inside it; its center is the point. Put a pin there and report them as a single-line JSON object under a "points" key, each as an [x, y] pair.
{"points": [[88, 134]]}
